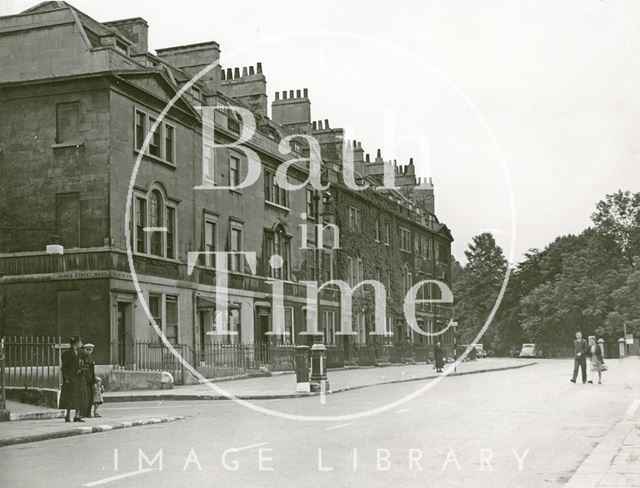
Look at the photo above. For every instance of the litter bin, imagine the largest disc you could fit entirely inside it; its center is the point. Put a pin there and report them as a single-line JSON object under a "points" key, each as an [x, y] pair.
{"points": [[302, 369]]}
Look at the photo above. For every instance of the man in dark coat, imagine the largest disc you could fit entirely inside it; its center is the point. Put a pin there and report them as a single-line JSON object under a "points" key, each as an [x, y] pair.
{"points": [[438, 356], [74, 395], [90, 376], [580, 349]]}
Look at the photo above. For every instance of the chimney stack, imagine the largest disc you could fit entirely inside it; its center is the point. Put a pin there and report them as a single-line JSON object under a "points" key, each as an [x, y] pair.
{"points": [[135, 30], [193, 59], [293, 111], [250, 87]]}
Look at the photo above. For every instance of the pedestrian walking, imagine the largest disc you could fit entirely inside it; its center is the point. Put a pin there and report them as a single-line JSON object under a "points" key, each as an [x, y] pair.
{"points": [[580, 349], [596, 360], [96, 397], [438, 356], [89, 376], [74, 394]]}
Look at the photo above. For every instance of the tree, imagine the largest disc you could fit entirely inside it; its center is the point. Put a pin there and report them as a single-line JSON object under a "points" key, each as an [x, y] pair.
{"points": [[618, 216], [578, 295], [478, 284], [626, 308], [588, 282]]}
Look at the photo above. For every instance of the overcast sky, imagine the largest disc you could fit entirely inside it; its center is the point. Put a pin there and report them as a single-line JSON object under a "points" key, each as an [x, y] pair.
{"points": [[554, 84]]}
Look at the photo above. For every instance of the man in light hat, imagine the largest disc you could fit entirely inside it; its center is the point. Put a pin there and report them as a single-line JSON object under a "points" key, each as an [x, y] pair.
{"points": [[90, 375]]}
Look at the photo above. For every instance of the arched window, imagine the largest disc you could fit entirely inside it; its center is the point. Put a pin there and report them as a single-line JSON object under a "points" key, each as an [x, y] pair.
{"points": [[154, 229], [156, 219]]}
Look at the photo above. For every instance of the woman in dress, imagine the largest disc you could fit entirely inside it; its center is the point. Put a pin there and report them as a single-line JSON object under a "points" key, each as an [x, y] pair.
{"points": [[597, 361], [74, 394]]}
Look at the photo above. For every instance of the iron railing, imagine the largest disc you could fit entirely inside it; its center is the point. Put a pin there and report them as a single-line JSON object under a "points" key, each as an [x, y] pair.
{"points": [[31, 362], [142, 355]]}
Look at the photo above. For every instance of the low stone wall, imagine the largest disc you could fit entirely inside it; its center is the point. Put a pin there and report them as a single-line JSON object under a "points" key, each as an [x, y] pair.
{"points": [[125, 380]]}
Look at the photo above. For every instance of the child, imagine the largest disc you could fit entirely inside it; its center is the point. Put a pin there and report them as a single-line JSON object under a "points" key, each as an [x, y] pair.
{"points": [[98, 389]]}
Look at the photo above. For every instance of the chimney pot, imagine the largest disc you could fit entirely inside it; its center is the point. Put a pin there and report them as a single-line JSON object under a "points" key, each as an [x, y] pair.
{"points": [[298, 94], [326, 123], [236, 72], [319, 124], [245, 71], [306, 93], [277, 95], [411, 161], [378, 155], [368, 158], [222, 74], [251, 71], [259, 67], [284, 95], [290, 93], [315, 125]]}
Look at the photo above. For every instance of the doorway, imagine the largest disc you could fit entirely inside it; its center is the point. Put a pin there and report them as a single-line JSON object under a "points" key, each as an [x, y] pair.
{"points": [[123, 347]]}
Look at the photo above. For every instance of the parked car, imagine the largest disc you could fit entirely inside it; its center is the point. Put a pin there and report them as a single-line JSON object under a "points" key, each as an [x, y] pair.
{"points": [[480, 352], [528, 351]]}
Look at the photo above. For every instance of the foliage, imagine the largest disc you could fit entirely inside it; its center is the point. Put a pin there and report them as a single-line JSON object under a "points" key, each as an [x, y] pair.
{"points": [[477, 285], [589, 282]]}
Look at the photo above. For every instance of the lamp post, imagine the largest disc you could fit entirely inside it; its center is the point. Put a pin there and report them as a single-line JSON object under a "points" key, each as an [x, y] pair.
{"points": [[57, 250], [3, 403], [325, 196], [318, 375], [454, 325]]}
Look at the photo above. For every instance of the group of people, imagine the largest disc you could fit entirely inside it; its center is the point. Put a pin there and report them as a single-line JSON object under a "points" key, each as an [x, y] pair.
{"points": [[584, 351], [81, 388]]}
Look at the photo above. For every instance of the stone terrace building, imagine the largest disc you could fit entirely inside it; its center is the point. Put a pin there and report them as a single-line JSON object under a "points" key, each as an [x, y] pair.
{"points": [[78, 98]]}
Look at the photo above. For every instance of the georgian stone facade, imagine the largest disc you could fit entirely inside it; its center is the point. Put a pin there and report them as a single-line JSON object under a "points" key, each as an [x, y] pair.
{"points": [[78, 103]]}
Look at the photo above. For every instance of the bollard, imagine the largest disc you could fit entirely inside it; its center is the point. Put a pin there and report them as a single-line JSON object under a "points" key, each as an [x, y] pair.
{"points": [[318, 379], [302, 369], [621, 347]]}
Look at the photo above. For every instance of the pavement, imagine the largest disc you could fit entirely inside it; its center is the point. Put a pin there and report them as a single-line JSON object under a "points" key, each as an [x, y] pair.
{"points": [[25, 411], [275, 387], [25, 431], [282, 386], [615, 461]]}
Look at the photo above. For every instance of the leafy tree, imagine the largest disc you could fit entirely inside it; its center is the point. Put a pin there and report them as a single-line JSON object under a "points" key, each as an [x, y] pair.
{"points": [[626, 308], [589, 282], [478, 284], [618, 216]]}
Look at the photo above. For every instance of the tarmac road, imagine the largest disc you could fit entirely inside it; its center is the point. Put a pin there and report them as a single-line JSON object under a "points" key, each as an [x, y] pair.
{"points": [[527, 427]]}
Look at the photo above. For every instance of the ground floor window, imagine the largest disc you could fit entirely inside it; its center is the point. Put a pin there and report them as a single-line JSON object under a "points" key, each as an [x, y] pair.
{"points": [[164, 310], [361, 328], [329, 328]]}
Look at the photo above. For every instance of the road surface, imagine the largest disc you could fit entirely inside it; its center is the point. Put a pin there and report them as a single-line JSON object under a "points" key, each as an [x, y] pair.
{"points": [[528, 427]]}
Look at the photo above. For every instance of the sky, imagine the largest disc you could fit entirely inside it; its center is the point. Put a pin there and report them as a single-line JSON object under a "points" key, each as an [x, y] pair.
{"points": [[525, 114]]}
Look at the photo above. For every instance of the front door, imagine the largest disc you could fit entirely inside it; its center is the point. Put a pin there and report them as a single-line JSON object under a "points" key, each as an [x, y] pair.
{"points": [[123, 346]]}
